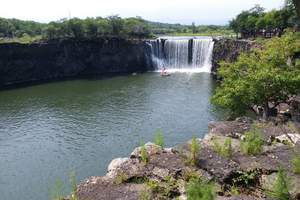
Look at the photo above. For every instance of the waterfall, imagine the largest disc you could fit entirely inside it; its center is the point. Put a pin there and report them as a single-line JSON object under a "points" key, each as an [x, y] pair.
{"points": [[182, 54]]}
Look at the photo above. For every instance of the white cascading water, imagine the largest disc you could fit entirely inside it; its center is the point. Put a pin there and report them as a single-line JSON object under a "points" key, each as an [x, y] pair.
{"points": [[174, 54]]}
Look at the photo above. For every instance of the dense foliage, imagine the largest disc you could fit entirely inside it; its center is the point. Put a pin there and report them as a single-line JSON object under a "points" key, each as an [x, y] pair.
{"points": [[113, 26], [256, 21], [265, 77], [77, 28]]}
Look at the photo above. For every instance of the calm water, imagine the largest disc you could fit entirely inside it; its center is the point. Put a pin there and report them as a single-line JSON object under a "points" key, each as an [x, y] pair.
{"points": [[46, 131]]}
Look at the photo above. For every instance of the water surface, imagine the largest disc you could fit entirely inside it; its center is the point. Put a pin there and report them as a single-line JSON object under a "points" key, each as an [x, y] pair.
{"points": [[48, 130]]}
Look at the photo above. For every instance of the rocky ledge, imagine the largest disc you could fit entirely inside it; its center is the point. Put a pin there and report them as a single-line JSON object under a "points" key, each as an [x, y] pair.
{"points": [[238, 176]]}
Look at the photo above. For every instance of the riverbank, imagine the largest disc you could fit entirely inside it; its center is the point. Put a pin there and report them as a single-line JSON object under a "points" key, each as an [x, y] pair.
{"points": [[238, 175]]}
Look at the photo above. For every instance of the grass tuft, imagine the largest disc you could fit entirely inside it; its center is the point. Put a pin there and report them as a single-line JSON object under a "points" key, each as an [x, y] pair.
{"points": [[224, 150], [296, 163], [198, 189], [281, 186], [144, 155], [253, 142], [195, 149], [159, 138]]}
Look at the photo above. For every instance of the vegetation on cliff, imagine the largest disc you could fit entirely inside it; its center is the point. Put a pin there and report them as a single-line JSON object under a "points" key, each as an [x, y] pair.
{"points": [[263, 78]]}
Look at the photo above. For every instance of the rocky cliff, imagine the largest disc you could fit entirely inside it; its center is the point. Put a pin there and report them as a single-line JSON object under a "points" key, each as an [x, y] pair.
{"points": [[168, 172], [25, 63], [228, 50]]}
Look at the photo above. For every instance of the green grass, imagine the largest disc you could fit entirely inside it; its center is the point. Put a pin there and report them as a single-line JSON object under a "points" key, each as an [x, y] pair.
{"points": [[281, 186], [195, 149], [198, 189], [159, 138], [296, 164], [224, 150], [253, 142]]}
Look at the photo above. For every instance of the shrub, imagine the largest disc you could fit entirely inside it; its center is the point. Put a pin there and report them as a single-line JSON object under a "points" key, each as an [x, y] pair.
{"points": [[253, 142], [159, 138], [144, 155], [198, 189], [281, 186], [296, 164], [224, 150], [195, 149]]}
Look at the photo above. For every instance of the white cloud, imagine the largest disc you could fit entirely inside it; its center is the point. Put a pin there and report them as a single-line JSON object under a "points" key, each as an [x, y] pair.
{"points": [[173, 11]]}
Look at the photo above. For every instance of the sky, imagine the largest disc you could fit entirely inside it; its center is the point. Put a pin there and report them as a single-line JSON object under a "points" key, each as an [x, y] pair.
{"points": [[202, 12]]}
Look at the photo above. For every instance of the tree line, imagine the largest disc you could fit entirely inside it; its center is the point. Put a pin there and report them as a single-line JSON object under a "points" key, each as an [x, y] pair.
{"points": [[112, 26], [77, 28], [256, 22]]}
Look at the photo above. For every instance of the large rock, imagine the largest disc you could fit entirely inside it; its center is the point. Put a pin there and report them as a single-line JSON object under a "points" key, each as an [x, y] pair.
{"points": [[228, 50]]}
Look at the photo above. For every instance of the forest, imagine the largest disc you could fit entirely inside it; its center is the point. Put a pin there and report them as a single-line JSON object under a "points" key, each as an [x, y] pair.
{"points": [[256, 22]]}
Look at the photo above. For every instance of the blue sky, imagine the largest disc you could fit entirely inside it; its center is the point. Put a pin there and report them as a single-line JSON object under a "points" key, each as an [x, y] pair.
{"points": [[172, 11]]}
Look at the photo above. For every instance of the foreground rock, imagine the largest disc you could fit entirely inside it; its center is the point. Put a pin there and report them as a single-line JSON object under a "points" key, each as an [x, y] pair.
{"points": [[167, 172]]}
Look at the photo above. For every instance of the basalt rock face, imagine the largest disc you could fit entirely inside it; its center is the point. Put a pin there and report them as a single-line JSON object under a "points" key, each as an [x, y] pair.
{"points": [[228, 50], [24, 63]]}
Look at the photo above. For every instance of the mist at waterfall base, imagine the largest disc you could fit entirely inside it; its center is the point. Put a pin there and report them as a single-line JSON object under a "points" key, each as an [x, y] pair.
{"points": [[182, 54]]}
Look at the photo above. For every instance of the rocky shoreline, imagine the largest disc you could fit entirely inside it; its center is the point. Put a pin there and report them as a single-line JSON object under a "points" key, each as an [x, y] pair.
{"points": [[167, 171]]}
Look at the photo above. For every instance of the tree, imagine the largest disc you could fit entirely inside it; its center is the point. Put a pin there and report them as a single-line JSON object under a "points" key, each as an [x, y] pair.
{"points": [[263, 77], [90, 27], [75, 27], [194, 28], [297, 6], [117, 24]]}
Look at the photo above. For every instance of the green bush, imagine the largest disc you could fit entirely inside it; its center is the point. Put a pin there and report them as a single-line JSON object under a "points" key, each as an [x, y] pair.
{"points": [[224, 150], [198, 189], [253, 142], [195, 149], [159, 138], [296, 164], [281, 186]]}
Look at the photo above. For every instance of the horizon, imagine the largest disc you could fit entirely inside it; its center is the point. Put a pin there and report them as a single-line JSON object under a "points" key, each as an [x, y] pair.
{"points": [[198, 12]]}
